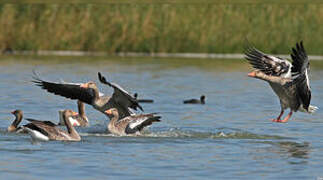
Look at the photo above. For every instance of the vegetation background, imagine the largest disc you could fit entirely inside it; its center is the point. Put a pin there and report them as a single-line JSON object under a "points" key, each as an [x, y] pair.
{"points": [[162, 27]]}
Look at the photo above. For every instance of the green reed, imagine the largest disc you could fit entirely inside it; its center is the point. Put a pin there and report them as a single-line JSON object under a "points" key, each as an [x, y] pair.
{"points": [[144, 27]]}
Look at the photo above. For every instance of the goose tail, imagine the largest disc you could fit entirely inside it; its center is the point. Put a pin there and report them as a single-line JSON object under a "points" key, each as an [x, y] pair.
{"points": [[311, 109]]}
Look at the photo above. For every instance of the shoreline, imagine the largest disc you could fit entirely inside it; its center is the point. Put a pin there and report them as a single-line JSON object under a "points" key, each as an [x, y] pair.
{"points": [[142, 54]]}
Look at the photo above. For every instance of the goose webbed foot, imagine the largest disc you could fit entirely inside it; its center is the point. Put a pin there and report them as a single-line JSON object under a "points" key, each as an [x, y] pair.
{"points": [[278, 118], [285, 119]]}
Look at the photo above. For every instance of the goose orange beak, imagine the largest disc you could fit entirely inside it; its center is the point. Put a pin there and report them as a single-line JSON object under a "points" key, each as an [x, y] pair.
{"points": [[252, 74], [108, 111], [75, 113], [85, 85]]}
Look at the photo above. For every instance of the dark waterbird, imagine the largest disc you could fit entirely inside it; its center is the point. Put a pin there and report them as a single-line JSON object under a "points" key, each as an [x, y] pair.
{"points": [[195, 101], [289, 81], [143, 100], [89, 93]]}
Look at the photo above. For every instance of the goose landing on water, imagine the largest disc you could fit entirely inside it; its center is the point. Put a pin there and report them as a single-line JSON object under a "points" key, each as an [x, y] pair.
{"points": [[46, 130], [129, 125], [79, 119], [289, 81], [89, 94]]}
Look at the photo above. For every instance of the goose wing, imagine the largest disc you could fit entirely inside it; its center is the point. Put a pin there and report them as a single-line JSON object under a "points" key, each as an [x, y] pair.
{"points": [[48, 123], [47, 128], [300, 73], [67, 90], [36, 128], [136, 123], [270, 65], [121, 96]]}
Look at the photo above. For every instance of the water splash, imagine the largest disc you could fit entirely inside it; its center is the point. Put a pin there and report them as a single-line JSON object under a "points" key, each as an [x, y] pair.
{"points": [[183, 133]]}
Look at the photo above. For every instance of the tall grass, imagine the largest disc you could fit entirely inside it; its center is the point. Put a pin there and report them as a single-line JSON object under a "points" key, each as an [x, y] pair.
{"points": [[210, 28]]}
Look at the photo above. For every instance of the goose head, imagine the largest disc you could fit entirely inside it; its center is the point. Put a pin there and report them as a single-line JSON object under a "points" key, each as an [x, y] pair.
{"points": [[66, 114], [89, 85], [256, 74], [112, 111], [69, 113], [18, 114]]}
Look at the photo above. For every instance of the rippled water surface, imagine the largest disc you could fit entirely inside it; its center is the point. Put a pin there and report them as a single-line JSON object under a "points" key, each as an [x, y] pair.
{"points": [[229, 137]]}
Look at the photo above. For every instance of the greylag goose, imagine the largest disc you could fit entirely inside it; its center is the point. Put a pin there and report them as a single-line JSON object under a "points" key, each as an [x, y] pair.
{"points": [[142, 100], [46, 130], [195, 101], [89, 93], [289, 81], [79, 119], [130, 124], [14, 125]]}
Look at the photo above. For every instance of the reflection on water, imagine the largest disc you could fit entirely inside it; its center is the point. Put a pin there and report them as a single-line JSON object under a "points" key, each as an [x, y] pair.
{"points": [[229, 137], [296, 150]]}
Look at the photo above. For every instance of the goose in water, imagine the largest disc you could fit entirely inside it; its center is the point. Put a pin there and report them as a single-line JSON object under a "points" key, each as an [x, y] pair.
{"points": [[79, 119], [289, 81], [142, 100], [46, 130], [130, 124], [89, 93], [14, 125], [195, 101]]}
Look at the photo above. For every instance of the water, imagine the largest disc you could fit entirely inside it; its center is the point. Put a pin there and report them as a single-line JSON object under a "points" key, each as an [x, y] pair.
{"points": [[229, 137]]}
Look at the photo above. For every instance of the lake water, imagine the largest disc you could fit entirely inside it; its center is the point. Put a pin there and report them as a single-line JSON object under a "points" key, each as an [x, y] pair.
{"points": [[231, 136]]}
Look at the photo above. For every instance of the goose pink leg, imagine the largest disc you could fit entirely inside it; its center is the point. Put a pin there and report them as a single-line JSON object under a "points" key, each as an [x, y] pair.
{"points": [[278, 118], [286, 118]]}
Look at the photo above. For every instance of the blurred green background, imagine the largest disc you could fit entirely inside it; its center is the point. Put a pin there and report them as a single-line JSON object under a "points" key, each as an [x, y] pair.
{"points": [[162, 27]]}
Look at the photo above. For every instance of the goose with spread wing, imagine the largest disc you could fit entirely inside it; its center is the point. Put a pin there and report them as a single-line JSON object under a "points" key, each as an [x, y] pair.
{"points": [[289, 81], [133, 124], [89, 93]]}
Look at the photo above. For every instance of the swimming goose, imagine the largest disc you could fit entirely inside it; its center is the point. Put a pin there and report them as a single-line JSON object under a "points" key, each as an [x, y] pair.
{"points": [[89, 93], [142, 100], [46, 130], [195, 101], [14, 125], [289, 81], [130, 124], [79, 119]]}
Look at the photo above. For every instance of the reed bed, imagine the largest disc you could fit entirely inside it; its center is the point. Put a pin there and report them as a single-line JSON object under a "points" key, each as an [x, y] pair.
{"points": [[146, 27]]}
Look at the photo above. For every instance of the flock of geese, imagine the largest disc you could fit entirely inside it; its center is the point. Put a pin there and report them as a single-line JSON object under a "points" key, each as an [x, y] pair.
{"points": [[288, 80]]}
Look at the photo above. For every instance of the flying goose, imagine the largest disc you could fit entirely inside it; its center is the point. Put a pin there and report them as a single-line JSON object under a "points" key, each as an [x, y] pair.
{"points": [[46, 130], [195, 101], [79, 119], [289, 81], [130, 124], [89, 93]]}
